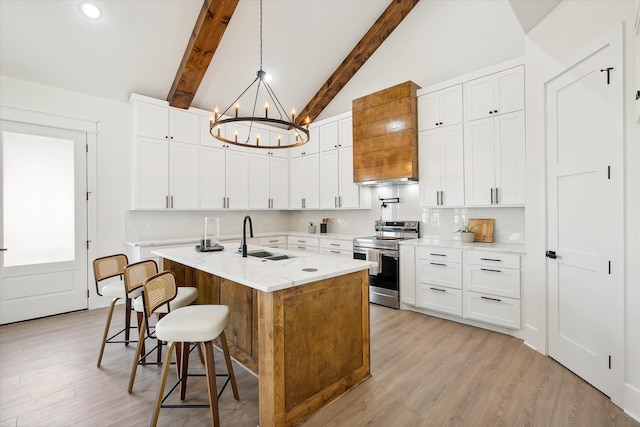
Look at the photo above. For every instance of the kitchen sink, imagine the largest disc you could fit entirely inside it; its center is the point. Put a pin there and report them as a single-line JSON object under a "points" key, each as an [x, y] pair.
{"points": [[268, 255]]}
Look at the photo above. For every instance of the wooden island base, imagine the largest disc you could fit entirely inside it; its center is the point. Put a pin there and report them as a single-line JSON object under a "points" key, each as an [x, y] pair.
{"points": [[308, 344]]}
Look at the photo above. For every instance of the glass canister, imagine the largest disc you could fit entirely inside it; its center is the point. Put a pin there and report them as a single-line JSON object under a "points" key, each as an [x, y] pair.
{"points": [[211, 236]]}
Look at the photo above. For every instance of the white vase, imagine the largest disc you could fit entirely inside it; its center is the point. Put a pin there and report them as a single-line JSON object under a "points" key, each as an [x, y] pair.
{"points": [[467, 237], [312, 229]]}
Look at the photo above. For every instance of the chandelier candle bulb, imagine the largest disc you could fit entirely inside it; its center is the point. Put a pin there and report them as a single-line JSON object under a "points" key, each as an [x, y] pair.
{"points": [[307, 122], [216, 113], [237, 107], [266, 110], [278, 140], [293, 115], [218, 130], [257, 139], [236, 135]]}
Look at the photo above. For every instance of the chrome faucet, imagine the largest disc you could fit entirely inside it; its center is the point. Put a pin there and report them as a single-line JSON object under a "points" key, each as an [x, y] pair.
{"points": [[244, 234]]}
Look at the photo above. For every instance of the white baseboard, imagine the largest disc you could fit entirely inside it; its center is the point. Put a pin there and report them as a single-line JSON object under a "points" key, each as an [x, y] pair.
{"points": [[632, 401]]}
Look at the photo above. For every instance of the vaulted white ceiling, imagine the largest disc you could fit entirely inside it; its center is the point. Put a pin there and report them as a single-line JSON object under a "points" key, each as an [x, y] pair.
{"points": [[137, 46]]}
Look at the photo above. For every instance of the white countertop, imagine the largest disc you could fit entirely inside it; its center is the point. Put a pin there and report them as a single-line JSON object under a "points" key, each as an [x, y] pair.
{"points": [[264, 275], [517, 248]]}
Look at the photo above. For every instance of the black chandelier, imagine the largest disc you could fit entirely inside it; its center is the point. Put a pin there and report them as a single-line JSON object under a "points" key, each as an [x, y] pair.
{"points": [[280, 120]]}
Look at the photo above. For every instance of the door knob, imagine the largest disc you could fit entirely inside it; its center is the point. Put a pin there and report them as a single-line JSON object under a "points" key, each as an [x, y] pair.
{"points": [[551, 254]]}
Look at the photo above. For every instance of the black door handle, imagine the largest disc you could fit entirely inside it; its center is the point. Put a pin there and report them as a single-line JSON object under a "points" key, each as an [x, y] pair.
{"points": [[551, 254]]}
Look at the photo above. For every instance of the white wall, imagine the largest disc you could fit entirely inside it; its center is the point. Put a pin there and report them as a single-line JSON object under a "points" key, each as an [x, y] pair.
{"points": [[561, 39]]}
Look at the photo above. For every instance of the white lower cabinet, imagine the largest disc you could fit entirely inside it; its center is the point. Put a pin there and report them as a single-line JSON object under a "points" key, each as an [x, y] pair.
{"points": [[303, 244], [408, 274], [273, 242], [492, 288], [337, 247], [472, 284], [439, 279]]}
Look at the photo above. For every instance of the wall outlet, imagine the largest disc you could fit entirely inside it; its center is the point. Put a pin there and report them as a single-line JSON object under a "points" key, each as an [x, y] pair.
{"points": [[149, 225]]}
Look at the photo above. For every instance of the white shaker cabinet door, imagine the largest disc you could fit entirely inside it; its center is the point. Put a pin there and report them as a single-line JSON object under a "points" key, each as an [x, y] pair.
{"points": [[258, 181], [349, 192], [429, 167], [479, 162], [510, 162], [237, 179], [329, 179], [151, 187], [213, 186], [184, 176], [279, 182]]}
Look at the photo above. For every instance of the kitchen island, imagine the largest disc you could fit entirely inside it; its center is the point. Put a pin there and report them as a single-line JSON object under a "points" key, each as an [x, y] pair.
{"points": [[301, 323]]}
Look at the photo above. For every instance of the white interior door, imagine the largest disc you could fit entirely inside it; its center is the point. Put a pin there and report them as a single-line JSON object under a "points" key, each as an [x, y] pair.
{"points": [[585, 217], [43, 214]]}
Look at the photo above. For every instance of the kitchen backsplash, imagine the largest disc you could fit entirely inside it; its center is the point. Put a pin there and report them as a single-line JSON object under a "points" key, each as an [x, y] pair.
{"points": [[435, 222]]}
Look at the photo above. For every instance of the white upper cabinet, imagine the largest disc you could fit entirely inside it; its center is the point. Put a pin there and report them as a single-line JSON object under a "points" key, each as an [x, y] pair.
{"points": [[440, 108], [311, 147], [304, 181], [337, 189], [495, 94], [441, 166], [165, 157], [268, 181], [156, 121], [494, 158]]}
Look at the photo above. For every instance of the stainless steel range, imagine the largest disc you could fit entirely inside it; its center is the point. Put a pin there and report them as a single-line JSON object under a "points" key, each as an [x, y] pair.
{"points": [[384, 282]]}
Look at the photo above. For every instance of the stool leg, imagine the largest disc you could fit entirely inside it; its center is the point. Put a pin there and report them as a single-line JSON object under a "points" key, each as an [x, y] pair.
{"points": [[227, 359], [139, 351], [163, 382], [141, 327], [127, 320], [184, 370], [212, 389], [106, 330]]}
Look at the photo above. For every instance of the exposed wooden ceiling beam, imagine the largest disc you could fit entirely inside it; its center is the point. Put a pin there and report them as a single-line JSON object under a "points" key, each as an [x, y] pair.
{"points": [[370, 42], [205, 38]]}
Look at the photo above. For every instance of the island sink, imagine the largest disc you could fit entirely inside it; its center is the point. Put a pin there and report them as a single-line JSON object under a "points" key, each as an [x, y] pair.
{"points": [[268, 255]]}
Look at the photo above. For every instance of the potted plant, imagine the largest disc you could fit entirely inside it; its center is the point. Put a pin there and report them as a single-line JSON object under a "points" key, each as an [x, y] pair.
{"points": [[466, 234], [312, 228]]}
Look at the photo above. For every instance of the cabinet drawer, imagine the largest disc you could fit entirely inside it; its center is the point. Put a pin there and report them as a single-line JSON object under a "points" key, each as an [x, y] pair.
{"points": [[338, 252], [273, 241], [490, 280], [439, 273], [302, 248], [492, 259], [306, 241], [496, 310], [441, 254], [337, 244], [439, 298]]}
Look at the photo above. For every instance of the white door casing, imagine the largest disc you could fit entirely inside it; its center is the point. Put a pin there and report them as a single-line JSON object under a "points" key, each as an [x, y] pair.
{"points": [[585, 218]]}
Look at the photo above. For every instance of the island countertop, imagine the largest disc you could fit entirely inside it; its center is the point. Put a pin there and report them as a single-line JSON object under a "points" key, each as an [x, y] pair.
{"points": [[265, 275]]}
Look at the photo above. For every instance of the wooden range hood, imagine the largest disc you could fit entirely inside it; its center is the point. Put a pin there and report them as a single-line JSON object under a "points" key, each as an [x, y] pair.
{"points": [[385, 136]]}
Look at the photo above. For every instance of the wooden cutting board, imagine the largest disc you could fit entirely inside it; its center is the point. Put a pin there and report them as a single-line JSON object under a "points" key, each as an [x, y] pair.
{"points": [[482, 228]]}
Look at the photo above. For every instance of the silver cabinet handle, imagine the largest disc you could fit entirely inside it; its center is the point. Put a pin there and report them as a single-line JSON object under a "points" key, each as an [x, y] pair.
{"points": [[489, 269], [172, 202], [166, 202], [339, 201], [437, 254], [439, 290], [438, 263], [335, 202], [334, 244], [492, 299], [4, 249], [491, 259], [491, 195], [497, 201]]}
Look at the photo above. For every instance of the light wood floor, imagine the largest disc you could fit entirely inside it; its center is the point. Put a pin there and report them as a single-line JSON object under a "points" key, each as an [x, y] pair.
{"points": [[425, 372]]}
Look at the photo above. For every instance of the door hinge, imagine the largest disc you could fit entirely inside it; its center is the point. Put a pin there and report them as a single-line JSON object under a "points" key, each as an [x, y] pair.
{"points": [[609, 361], [88, 192], [608, 172], [609, 267], [608, 70], [86, 148], [87, 293], [88, 244]]}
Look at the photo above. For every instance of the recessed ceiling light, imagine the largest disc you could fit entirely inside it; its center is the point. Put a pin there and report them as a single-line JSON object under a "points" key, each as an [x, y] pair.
{"points": [[90, 10]]}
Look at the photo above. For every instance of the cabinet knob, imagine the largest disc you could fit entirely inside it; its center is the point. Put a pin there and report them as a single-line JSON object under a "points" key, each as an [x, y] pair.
{"points": [[495, 111], [490, 112]]}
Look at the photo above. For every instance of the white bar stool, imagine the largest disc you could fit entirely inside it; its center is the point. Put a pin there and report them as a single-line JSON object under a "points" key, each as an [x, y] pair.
{"points": [[105, 268], [193, 324], [135, 276]]}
